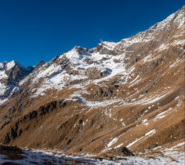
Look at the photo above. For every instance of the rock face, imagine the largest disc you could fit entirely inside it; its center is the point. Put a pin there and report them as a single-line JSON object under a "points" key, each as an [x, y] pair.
{"points": [[10, 75], [41, 63], [94, 73], [114, 98], [88, 60]]}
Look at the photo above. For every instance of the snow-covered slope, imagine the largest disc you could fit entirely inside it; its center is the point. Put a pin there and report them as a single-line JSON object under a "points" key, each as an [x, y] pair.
{"points": [[10, 74], [29, 157], [108, 57]]}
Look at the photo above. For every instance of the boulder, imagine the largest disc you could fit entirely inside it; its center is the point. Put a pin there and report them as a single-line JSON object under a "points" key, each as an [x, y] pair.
{"points": [[122, 151]]}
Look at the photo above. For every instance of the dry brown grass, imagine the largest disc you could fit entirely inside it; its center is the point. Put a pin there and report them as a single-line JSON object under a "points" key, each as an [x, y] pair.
{"points": [[63, 128]]}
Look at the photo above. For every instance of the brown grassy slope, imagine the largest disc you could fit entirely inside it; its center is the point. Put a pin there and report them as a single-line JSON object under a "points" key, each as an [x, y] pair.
{"points": [[127, 107]]}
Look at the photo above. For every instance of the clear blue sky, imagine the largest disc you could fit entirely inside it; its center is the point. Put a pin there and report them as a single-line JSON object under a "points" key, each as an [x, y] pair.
{"points": [[35, 30]]}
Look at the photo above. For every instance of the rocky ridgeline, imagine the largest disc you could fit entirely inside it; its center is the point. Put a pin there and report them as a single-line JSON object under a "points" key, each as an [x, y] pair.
{"points": [[11, 74], [88, 98], [80, 61]]}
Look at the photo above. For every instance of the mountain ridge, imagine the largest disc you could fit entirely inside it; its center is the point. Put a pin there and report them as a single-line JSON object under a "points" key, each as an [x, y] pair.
{"points": [[128, 93]]}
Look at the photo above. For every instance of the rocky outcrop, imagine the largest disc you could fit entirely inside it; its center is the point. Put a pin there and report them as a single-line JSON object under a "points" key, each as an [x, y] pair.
{"points": [[13, 74], [88, 60], [95, 73], [15, 129], [97, 92], [16, 74], [40, 64], [122, 151]]}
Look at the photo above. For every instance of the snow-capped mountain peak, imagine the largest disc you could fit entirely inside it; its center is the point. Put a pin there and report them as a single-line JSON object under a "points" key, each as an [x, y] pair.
{"points": [[12, 64]]}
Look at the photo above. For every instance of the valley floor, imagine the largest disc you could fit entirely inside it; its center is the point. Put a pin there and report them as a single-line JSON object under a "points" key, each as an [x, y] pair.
{"points": [[170, 156]]}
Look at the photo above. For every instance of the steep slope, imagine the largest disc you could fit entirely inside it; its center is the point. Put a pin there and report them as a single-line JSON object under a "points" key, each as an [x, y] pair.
{"points": [[10, 74], [129, 93]]}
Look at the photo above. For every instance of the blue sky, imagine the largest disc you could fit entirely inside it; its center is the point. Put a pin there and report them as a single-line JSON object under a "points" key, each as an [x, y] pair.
{"points": [[35, 30]]}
